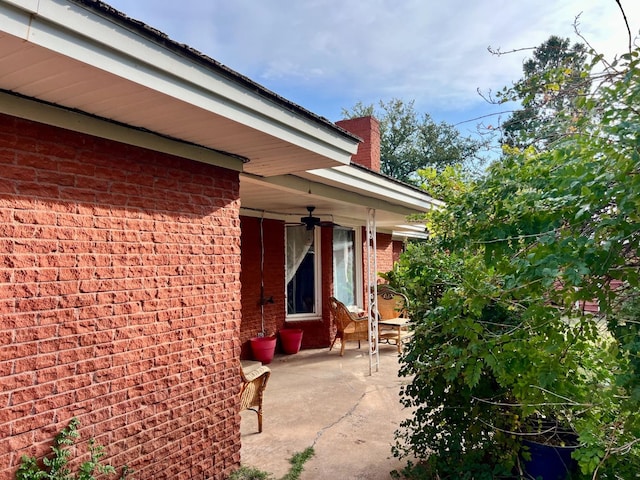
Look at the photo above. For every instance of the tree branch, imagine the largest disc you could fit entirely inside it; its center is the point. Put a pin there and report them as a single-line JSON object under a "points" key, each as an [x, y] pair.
{"points": [[626, 22]]}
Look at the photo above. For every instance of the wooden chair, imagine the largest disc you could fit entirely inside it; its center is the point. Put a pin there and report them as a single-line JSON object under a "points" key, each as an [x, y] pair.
{"points": [[254, 382], [348, 327], [392, 308]]}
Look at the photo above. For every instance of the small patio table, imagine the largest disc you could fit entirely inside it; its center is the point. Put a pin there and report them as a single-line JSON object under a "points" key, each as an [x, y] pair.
{"points": [[398, 332]]}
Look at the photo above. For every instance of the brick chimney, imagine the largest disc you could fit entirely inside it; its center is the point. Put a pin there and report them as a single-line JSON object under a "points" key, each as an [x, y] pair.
{"points": [[368, 129]]}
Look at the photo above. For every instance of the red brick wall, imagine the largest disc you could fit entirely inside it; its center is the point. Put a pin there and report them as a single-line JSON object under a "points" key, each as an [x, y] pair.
{"points": [[120, 303], [368, 129], [398, 248], [385, 252], [250, 278]]}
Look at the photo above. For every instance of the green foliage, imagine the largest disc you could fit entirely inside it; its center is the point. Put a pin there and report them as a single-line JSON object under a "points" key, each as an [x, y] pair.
{"points": [[409, 142], [250, 473], [554, 79], [56, 466], [502, 341], [297, 462], [456, 433], [446, 184]]}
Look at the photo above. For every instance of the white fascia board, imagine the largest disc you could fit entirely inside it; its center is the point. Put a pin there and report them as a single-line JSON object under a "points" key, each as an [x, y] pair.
{"points": [[375, 185], [405, 235], [78, 122], [292, 184], [98, 41]]}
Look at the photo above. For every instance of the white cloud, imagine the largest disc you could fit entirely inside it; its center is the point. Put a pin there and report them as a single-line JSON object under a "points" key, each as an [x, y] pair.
{"points": [[432, 51]]}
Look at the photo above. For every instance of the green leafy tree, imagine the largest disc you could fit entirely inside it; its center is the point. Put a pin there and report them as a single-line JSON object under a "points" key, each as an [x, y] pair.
{"points": [[409, 142], [502, 336], [554, 79], [446, 184]]}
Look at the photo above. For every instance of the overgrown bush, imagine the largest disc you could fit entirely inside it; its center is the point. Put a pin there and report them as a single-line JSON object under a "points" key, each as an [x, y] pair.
{"points": [[481, 364], [502, 339]]}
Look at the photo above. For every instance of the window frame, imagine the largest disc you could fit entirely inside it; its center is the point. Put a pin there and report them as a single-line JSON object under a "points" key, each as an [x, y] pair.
{"points": [[357, 248], [317, 266]]}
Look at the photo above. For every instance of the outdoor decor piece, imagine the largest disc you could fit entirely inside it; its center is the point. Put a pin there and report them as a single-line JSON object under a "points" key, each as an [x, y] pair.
{"points": [[263, 348], [254, 382], [371, 247], [291, 339]]}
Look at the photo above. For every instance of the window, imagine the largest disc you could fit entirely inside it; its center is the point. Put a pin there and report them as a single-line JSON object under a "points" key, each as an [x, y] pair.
{"points": [[303, 272], [346, 267]]}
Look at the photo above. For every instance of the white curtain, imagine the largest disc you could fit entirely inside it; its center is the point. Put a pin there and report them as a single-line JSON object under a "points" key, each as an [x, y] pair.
{"points": [[299, 241], [344, 281]]}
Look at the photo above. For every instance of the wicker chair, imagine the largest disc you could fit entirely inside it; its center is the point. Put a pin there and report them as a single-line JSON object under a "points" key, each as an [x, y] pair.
{"points": [[348, 327], [392, 305], [254, 382]]}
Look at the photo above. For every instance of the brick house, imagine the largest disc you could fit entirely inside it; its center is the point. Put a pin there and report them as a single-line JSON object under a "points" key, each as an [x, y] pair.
{"points": [[345, 196], [149, 203]]}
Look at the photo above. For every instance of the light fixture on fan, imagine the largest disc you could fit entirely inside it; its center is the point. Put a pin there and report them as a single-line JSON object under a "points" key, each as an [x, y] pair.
{"points": [[310, 221]]}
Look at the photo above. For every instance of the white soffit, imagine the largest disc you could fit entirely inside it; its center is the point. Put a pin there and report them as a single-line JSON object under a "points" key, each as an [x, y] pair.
{"points": [[374, 185], [51, 115], [98, 62], [285, 197], [290, 191]]}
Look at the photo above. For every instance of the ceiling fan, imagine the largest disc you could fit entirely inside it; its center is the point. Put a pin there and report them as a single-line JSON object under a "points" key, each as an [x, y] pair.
{"points": [[310, 222]]}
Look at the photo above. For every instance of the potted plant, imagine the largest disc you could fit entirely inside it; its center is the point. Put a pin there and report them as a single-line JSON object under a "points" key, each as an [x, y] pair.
{"points": [[548, 448]]}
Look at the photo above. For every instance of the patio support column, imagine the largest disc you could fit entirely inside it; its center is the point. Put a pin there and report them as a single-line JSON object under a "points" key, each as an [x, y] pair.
{"points": [[372, 290]]}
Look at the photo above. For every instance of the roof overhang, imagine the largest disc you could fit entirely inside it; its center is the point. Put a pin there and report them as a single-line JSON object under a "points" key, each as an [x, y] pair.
{"points": [[343, 195], [84, 56], [81, 65]]}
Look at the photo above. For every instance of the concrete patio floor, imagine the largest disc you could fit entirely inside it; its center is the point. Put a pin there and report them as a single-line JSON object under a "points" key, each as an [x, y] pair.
{"points": [[316, 398]]}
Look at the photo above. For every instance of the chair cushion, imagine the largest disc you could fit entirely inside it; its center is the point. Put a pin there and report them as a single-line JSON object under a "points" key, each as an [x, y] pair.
{"points": [[256, 372], [249, 365]]}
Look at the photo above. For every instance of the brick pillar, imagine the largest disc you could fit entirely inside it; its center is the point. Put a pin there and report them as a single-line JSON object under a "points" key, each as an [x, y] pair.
{"points": [[368, 129]]}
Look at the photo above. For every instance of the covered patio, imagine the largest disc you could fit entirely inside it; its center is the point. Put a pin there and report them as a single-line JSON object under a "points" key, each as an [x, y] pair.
{"points": [[356, 226], [316, 398]]}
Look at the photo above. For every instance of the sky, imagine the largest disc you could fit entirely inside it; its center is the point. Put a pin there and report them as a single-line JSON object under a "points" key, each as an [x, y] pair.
{"points": [[327, 55]]}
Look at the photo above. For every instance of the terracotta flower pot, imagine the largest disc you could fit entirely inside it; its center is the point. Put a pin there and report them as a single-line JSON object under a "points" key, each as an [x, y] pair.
{"points": [[291, 339], [263, 348]]}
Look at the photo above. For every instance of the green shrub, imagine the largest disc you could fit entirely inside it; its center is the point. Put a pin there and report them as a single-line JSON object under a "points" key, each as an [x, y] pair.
{"points": [[501, 341], [56, 466]]}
